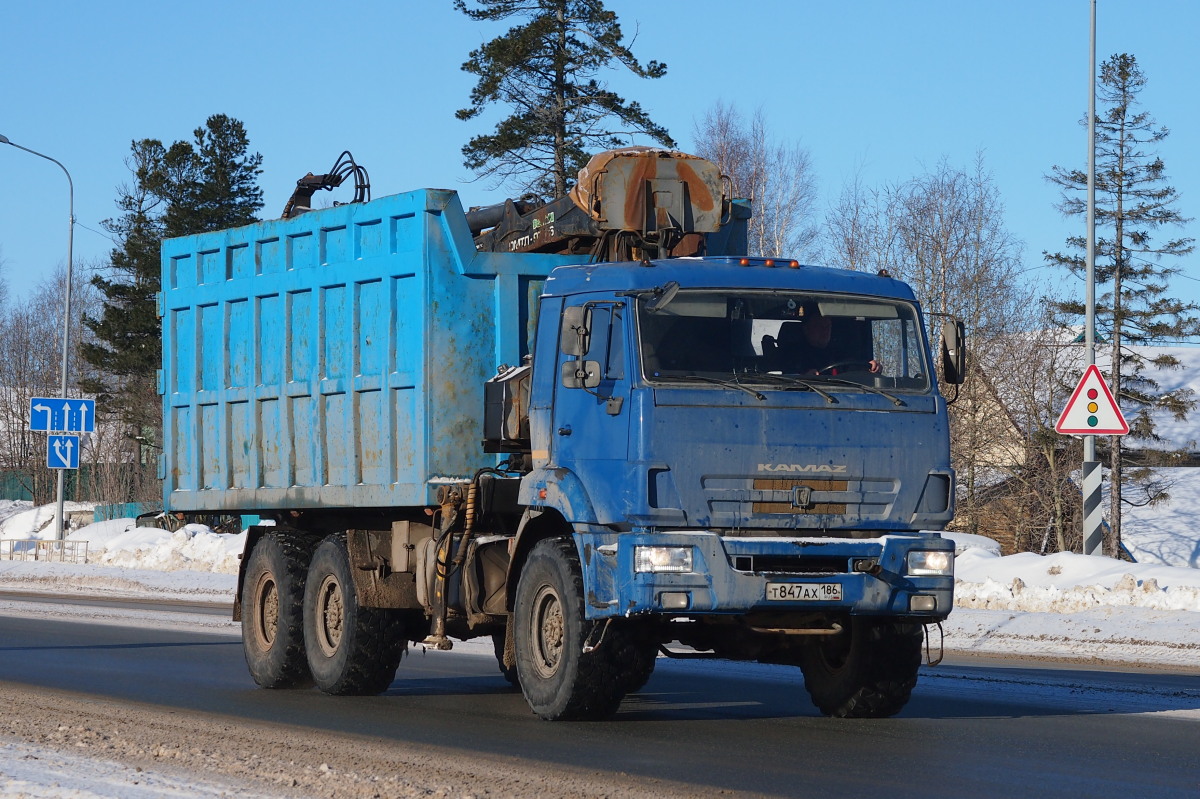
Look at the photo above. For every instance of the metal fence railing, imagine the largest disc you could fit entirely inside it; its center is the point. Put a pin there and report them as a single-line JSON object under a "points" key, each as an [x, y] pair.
{"points": [[52, 551]]}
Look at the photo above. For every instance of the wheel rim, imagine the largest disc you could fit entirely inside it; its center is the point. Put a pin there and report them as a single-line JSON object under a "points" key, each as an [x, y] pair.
{"points": [[330, 613], [548, 631], [266, 594]]}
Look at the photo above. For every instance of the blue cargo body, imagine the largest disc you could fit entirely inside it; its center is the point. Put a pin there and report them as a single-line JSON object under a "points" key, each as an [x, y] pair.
{"points": [[336, 359]]}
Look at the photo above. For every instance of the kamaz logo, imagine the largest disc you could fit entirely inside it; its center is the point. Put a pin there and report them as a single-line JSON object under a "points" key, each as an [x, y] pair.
{"points": [[802, 468]]}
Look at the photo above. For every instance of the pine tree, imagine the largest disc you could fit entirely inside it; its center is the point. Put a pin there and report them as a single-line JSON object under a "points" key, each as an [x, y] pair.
{"points": [[546, 71], [127, 345], [1133, 201], [190, 187], [211, 184]]}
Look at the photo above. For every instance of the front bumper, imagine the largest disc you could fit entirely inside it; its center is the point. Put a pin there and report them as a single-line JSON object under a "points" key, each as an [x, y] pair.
{"points": [[730, 575]]}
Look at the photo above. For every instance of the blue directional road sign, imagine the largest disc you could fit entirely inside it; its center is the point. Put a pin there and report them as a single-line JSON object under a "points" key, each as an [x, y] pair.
{"points": [[62, 452], [60, 415]]}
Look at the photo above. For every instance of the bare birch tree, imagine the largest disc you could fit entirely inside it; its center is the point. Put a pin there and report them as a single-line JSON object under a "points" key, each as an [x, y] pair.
{"points": [[777, 176], [1027, 382], [31, 364], [3, 282], [943, 232]]}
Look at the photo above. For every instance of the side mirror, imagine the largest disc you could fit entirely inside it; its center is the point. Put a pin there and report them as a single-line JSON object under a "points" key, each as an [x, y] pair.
{"points": [[954, 352], [662, 296], [581, 374], [576, 331]]}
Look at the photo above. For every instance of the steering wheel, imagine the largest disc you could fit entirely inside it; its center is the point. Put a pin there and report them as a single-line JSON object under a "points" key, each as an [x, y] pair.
{"points": [[857, 366]]}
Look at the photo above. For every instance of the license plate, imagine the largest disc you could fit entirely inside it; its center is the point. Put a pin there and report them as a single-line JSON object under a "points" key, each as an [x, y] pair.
{"points": [[805, 592]]}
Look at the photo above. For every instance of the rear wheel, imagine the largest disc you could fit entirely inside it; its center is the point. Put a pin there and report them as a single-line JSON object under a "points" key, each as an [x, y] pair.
{"points": [[560, 680], [272, 611], [351, 650], [866, 671]]}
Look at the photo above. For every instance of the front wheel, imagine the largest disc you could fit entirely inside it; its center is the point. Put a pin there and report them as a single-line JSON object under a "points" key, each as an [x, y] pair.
{"points": [[510, 674], [352, 650], [559, 680], [634, 654], [866, 671]]}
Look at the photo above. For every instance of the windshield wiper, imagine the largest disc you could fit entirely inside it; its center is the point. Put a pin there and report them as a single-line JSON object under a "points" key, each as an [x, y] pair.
{"points": [[758, 395], [797, 382], [872, 389]]}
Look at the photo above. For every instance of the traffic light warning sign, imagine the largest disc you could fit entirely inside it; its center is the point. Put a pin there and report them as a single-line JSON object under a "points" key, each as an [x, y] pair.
{"points": [[1091, 410]]}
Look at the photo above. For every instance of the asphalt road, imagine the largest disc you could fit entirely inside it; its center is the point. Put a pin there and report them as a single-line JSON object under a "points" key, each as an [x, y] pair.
{"points": [[973, 731]]}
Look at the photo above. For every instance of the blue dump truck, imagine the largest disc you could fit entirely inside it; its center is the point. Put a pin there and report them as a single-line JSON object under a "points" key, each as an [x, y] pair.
{"points": [[592, 431]]}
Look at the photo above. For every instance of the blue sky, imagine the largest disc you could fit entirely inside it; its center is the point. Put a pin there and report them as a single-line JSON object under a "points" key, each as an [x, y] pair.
{"points": [[878, 90]]}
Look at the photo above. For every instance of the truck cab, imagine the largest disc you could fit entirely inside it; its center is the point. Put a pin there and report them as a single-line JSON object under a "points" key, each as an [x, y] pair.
{"points": [[728, 482]]}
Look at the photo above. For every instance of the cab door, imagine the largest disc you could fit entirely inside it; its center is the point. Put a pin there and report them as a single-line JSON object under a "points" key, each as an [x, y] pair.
{"points": [[590, 432]]}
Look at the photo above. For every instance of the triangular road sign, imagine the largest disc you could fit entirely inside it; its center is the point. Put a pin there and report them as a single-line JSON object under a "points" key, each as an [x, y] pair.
{"points": [[1091, 410]]}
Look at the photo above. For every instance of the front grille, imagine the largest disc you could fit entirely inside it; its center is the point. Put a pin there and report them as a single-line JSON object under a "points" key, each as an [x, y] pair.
{"points": [[782, 496], [780, 502]]}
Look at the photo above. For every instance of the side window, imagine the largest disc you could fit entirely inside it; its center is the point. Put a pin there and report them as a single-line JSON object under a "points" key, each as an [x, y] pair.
{"points": [[610, 336], [898, 346], [545, 341], [603, 336]]}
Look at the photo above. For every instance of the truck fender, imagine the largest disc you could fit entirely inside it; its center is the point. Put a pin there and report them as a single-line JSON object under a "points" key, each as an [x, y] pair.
{"points": [[558, 489], [536, 525], [554, 500]]}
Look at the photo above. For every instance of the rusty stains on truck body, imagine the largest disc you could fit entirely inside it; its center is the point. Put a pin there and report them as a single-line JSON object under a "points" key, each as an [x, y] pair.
{"points": [[628, 204]]}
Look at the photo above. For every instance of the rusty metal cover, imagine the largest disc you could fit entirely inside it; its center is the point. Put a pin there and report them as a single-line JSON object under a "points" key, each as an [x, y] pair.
{"points": [[648, 189]]}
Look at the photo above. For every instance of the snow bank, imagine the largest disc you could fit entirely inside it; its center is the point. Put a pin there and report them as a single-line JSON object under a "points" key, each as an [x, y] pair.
{"points": [[21, 520], [124, 560], [1065, 583], [194, 547], [119, 542]]}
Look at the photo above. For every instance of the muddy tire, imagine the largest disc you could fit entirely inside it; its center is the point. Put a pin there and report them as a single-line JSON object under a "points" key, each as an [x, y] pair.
{"points": [[558, 680], [509, 674], [867, 671], [633, 656], [272, 611], [351, 650]]}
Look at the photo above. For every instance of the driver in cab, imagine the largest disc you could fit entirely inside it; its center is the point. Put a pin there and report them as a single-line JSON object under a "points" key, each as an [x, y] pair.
{"points": [[803, 347]]}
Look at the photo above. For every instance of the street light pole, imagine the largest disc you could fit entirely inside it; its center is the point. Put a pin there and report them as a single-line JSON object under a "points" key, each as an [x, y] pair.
{"points": [[66, 337], [1093, 513]]}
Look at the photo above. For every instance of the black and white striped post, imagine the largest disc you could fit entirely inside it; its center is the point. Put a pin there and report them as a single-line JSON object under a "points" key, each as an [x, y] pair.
{"points": [[1093, 513], [1091, 411]]}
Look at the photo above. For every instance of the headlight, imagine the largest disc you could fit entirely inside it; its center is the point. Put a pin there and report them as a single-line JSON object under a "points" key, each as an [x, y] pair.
{"points": [[662, 559], [930, 564]]}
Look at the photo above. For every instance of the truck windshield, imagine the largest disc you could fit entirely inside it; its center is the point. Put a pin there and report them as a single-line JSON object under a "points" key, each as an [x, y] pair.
{"points": [[766, 337]]}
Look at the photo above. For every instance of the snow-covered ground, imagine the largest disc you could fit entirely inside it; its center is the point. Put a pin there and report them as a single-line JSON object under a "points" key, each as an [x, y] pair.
{"points": [[30, 771]]}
